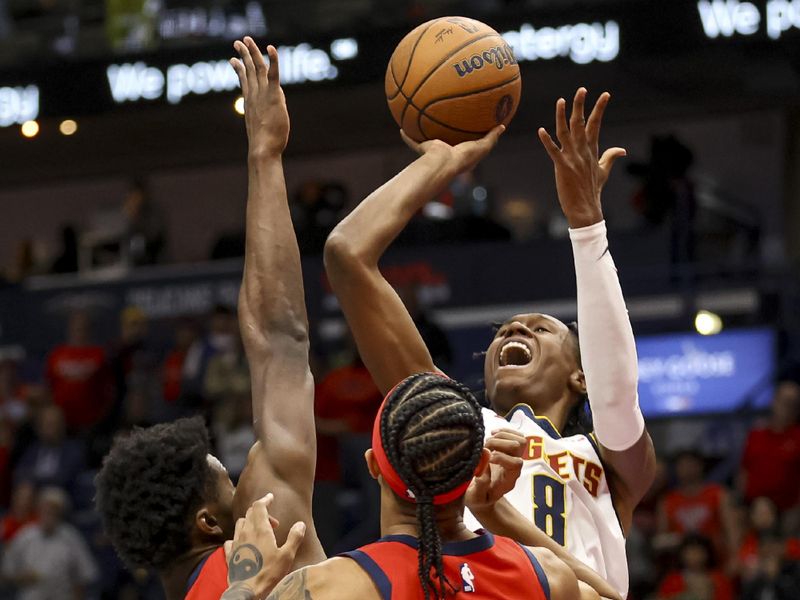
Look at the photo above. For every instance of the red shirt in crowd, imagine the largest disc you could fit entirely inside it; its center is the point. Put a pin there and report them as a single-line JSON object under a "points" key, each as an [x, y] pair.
{"points": [[696, 513], [349, 393], [173, 375], [674, 585], [748, 551], [79, 383], [10, 526], [772, 462]]}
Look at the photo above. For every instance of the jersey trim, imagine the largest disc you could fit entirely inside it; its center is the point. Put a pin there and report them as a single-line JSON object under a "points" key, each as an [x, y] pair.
{"points": [[375, 573], [483, 542], [542, 422], [196, 573], [540, 574]]}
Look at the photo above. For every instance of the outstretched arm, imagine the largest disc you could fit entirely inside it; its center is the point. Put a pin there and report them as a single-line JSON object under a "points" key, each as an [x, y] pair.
{"points": [[611, 377], [387, 339], [272, 315]]}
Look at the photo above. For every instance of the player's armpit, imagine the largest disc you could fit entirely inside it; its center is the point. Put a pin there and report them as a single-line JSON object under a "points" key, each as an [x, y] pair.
{"points": [[292, 502]]}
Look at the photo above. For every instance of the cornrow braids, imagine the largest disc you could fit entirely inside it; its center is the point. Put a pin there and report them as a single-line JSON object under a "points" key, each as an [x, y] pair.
{"points": [[432, 432]]}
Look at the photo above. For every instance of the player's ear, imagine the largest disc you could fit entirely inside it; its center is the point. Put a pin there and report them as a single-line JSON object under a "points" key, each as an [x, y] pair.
{"points": [[577, 382], [372, 463], [483, 464], [207, 523]]}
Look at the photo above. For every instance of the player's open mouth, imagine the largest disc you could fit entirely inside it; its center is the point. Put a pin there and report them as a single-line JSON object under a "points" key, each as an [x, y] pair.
{"points": [[515, 354]]}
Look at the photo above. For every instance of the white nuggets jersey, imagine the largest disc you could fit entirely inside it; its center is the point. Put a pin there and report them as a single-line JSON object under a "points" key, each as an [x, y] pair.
{"points": [[564, 491]]}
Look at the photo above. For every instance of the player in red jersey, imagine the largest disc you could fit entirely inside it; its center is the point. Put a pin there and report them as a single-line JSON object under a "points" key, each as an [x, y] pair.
{"points": [[427, 444], [166, 502]]}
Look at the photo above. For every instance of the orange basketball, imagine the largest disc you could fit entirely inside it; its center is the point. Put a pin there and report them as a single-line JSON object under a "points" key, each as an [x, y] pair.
{"points": [[452, 79]]}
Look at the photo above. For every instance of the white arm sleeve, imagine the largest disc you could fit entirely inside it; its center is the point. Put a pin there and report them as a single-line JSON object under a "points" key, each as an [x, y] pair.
{"points": [[608, 350]]}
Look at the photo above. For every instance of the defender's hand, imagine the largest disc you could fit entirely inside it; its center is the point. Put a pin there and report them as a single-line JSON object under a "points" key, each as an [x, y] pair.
{"points": [[505, 467], [461, 157], [255, 562], [265, 113], [580, 175]]}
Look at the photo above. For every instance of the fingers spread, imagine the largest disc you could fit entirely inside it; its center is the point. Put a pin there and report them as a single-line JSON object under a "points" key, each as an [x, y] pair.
{"points": [[562, 131], [258, 59], [577, 121], [596, 119], [238, 66], [549, 145], [273, 74], [249, 65], [609, 157], [294, 539], [510, 447]]}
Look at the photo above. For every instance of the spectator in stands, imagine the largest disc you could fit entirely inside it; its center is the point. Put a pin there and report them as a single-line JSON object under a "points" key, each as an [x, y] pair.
{"points": [[776, 576], [78, 376], [12, 402], [233, 431], [144, 225], [222, 336], [771, 459], [347, 401], [133, 360], [764, 524], [696, 579], [434, 336], [49, 559], [54, 459], [22, 511], [227, 374], [172, 369], [67, 261], [696, 506], [316, 208]]}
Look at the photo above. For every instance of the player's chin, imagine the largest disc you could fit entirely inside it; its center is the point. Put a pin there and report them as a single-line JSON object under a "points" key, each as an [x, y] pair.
{"points": [[506, 384]]}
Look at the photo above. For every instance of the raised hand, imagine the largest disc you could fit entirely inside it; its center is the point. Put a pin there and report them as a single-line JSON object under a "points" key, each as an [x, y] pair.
{"points": [[505, 467], [580, 174], [461, 157], [255, 562], [265, 113]]}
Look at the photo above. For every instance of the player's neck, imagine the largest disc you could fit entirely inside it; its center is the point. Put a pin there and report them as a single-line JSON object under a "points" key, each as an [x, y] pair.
{"points": [[449, 522], [176, 576]]}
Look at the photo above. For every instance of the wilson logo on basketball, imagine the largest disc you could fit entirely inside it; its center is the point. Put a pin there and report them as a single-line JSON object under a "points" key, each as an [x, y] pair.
{"points": [[499, 56]]}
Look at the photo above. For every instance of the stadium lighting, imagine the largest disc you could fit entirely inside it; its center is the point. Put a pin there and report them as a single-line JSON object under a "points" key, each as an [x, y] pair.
{"points": [[707, 323], [30, 129], [238, 105], [68, 127]]}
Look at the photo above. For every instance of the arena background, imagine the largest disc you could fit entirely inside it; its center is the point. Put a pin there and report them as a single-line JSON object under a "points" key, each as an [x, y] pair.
{"points": [[123, 184]]}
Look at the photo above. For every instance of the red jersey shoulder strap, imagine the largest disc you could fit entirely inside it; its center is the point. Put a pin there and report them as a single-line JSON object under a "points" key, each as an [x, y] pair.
{"points": [[209, 579]]}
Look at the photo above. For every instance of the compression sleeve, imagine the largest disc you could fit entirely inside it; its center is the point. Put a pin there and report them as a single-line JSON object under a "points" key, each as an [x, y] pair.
{"points": [[608, 350]]}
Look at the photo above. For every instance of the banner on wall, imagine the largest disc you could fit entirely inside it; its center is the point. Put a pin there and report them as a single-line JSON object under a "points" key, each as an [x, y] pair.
{"points": [[690, 373]]}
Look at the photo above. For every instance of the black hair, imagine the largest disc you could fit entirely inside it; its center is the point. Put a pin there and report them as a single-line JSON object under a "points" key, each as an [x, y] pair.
{"points": [[150, 486], [432, 432], [695, 539], [579, 419]]}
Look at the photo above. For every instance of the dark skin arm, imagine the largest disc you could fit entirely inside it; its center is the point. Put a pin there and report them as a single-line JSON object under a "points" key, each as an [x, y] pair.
{"points": [[272, 315], [387, 339], [580, 175]]}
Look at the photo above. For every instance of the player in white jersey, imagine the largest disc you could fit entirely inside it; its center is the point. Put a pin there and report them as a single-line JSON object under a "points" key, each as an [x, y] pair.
{"points": [[534, 360]]}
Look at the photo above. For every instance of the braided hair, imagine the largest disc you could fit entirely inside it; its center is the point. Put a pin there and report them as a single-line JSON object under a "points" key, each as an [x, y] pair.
{"points": [[432, 433]]}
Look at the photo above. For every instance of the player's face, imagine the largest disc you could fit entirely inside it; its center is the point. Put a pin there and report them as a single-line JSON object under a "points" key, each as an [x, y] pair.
{"points": [[222, 507], [531, 360]]}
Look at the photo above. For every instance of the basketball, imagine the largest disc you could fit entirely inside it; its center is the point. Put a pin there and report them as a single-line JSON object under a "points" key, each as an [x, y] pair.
{"points": [[452, 79]]}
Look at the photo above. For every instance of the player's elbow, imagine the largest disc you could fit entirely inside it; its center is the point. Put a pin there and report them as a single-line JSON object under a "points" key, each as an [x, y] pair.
{"points": [[339, 255], [560, 578]]}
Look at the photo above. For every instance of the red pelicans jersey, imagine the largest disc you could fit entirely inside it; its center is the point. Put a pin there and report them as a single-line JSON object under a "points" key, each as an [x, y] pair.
{"points": [[483, 568], [209, 579], [564, 491]]}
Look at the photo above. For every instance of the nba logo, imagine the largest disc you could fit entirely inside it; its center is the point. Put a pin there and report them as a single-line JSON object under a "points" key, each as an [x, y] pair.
{"points": [[467, 579]]}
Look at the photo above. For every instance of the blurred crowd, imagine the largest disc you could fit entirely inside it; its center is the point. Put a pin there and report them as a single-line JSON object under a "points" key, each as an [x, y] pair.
{"points": [[692, 538]]}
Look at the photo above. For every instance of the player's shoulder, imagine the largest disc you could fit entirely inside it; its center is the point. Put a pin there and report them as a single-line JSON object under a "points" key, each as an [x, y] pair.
{"points": [[337, 578]]}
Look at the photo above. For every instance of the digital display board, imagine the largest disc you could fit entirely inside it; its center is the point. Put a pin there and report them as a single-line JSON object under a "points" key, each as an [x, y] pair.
{"points": [[695, 374]]}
